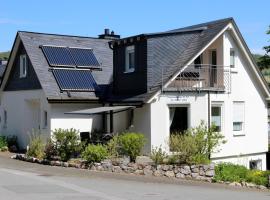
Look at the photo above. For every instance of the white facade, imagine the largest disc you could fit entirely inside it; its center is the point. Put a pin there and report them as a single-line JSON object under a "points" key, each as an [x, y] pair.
{"points": [[25, 112], [242, 146]]}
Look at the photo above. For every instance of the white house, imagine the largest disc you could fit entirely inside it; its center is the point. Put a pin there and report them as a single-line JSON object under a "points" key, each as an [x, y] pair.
{"points": [[154, 83]]}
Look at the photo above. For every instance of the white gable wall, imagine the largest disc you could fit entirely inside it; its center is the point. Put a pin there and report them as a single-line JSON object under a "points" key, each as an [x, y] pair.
{"points": [[244, 87]]}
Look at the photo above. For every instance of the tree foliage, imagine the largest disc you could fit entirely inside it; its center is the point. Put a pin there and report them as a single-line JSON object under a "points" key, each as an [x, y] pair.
{"points": [[264, 61]]}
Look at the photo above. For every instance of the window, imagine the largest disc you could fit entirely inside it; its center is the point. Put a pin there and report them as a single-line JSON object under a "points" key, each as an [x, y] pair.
{"points": [[238, 116], [23, 66], [45, 118], [216, 117], [255, 164], [198, 61], [130, 59], [5, 118], [232, 58]]}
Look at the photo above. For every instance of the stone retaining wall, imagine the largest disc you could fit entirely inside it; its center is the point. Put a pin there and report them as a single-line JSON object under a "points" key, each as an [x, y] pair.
{"points": [[121, 165]]}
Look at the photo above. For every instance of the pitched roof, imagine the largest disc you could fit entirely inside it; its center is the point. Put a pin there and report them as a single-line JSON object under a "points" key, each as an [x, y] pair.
{"points": [[169, 51], [103, 53], [2, 68]]}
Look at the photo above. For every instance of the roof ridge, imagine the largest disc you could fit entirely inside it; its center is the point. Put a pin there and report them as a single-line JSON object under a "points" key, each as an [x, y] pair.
{"points": [[60, 35]]}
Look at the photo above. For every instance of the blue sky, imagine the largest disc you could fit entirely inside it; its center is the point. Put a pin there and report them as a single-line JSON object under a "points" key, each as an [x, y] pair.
{"points": [[126, 17]]}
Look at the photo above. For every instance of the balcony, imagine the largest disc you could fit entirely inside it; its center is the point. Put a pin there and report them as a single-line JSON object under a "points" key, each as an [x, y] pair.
{"points": [[202, 77]]}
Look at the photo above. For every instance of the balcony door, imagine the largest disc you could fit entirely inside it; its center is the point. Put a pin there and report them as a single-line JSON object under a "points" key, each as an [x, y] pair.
{"points": [[213, 67]]}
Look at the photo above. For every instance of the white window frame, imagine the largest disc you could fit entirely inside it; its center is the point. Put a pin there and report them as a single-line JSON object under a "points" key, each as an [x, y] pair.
{"points": [[128, 68], [232, 65], [242, 131], [23, 66], [221, 106]]}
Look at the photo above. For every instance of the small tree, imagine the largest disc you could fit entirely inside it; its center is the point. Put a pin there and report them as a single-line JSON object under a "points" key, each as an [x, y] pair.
{"points": [[67, 142], [131, 144]]}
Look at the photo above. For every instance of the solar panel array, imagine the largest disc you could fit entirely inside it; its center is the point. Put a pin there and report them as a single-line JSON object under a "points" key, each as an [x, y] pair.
{"points": [[84, 57], [58, 56], [75, 80], [70, 57]]}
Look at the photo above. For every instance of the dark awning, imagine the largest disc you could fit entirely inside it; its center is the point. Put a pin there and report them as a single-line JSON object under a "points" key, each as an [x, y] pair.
{"points": [[99, 110]]}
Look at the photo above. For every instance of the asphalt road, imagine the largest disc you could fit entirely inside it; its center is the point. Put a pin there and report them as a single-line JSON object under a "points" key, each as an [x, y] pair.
{"points": [[20, 181]]}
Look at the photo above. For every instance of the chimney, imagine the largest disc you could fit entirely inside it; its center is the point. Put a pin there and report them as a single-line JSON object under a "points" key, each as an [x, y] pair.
{"points": [[108, 35]]}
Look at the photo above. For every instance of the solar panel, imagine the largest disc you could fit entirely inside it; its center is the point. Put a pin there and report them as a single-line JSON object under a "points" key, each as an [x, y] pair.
{"points": [[75, 80], [84, 58], [58, 56]]}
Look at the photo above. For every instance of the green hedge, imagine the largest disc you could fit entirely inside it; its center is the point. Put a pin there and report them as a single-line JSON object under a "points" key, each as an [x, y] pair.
{"points": [[236, 173]]}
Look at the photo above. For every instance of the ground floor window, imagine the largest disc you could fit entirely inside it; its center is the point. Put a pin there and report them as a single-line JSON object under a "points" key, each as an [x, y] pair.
{"points": [[255, 164], [216, 117], [178, 119]]}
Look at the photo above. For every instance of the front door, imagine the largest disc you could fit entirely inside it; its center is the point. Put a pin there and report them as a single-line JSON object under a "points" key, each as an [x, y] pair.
{"points": [[213, 67]]}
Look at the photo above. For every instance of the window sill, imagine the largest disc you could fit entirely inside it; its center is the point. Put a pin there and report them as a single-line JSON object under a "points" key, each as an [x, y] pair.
{"points": [[238, 134], [129, 71]]}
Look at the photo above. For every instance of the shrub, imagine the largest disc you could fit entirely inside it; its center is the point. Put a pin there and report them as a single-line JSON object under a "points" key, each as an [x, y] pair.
{"points": [[12, 140], [95, 153], [230, 172], [172, 159], [113, 147], [3, 143], [50, 150], [236, 173], [195, 145], [258, 177], [36, 146], [67, 143], [158, 155], [131, 144]]}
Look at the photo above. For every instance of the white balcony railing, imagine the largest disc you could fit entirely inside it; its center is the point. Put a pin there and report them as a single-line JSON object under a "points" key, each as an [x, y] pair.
{"points": [[204, 77]]}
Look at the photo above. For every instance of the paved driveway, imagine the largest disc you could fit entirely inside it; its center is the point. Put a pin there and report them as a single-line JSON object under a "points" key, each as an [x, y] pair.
{"points": [[20, 181]]}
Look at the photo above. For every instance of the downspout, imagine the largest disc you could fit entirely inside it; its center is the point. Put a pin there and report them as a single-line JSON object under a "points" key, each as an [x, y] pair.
{"points": [[209, 111], [209, 120]]}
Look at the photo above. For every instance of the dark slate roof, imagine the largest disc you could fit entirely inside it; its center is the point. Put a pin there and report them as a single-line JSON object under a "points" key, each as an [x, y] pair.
{"points": [[103, 53], [2, 68], [168, 52]]}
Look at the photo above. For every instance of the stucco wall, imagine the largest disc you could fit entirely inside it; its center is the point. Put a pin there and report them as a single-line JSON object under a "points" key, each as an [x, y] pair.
{"points": [[83, 123], [23, 113], [244, 87]]}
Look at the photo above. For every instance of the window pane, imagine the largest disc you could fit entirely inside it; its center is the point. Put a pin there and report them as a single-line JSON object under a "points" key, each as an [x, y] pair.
{"points": [[215, 111], [216, 117], [237, 126], [232, 58], [131, 60]]}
